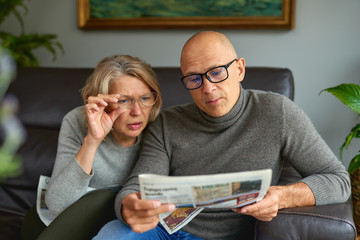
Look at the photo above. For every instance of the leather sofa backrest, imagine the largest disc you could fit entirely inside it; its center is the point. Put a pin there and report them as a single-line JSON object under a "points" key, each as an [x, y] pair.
{"points": [[46, 94]]}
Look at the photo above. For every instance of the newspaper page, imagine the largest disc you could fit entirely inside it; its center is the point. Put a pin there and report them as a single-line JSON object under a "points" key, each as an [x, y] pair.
{"points": [[44, 213], [191, 194]]}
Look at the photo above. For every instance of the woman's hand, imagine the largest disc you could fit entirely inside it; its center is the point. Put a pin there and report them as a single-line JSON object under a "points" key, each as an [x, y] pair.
{"points": [[99, 121]]}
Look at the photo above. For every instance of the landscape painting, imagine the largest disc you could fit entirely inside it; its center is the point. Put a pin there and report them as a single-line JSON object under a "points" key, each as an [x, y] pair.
{"points": [[186, 13]]}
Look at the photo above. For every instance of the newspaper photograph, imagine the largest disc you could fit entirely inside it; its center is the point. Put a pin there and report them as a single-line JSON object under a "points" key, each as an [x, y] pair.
{"points": [[191, 194], [178, 218]]}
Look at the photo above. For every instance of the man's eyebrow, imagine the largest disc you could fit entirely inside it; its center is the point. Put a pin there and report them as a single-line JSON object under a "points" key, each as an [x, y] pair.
{"points": [[209, 68], [191, 73]]}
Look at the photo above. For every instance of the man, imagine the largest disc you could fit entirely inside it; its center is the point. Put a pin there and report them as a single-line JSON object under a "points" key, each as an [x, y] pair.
{"points": [[229, 129]]}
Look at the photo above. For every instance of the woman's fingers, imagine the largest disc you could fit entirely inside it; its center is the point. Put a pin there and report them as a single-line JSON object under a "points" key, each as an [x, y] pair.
{"points": [[103, 99], [90, 107], [116, 113]]}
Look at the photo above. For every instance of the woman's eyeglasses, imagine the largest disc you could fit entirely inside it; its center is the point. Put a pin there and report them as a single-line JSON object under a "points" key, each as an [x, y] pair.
{"points": [[146, 100]]}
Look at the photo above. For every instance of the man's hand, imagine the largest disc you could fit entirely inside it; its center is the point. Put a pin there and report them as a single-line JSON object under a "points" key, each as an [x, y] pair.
{"points": [[142, 215], [264, 210], [279, 197]]}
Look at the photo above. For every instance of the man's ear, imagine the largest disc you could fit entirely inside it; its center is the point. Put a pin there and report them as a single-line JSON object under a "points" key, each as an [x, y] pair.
{"points": [[241, 68]]}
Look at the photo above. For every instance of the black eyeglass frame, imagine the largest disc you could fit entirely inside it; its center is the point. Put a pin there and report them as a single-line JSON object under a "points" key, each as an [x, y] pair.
{"points": [[208, 78]]}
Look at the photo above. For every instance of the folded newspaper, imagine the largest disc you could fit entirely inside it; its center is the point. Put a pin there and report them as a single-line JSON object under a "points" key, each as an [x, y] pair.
{"points": [[191, 194], [44, 213]]}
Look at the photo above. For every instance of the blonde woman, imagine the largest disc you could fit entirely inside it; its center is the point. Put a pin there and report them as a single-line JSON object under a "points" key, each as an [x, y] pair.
{"points": [[99, 142], [100, 150]]}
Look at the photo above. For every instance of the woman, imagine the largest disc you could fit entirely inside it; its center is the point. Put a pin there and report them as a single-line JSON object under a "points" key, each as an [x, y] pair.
{"points": [[120, 97], [99, 143]]}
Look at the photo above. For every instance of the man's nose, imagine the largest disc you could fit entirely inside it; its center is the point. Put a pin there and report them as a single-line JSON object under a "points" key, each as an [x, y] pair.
{"points": [[207, 86]]}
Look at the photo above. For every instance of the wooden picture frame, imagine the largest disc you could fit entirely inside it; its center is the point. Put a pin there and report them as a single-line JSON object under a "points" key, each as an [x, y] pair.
{"points": [[285, 21]]}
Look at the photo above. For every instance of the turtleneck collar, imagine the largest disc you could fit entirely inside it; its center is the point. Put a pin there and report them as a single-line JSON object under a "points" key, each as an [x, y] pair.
{"points": [[229, 118]]}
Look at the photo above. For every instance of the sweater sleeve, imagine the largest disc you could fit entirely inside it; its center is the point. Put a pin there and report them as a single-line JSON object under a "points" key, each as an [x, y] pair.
{"points": [[68, 181], [311, 156], [153, 159]]}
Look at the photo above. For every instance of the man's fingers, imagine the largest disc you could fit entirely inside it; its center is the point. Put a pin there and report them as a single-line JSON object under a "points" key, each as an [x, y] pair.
{"points": [[140, 228], [250, 208], [133, 201], [264, 210], [258, 208], [142, 215], [156, 211], [142, 220], [146, 207]]}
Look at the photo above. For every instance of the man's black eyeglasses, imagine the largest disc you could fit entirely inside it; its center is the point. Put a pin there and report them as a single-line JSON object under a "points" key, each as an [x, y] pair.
{"points": [[214, 75]]}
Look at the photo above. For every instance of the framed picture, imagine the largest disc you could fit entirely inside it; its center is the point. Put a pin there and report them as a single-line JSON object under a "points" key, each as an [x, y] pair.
{"points": [[186, 14]]}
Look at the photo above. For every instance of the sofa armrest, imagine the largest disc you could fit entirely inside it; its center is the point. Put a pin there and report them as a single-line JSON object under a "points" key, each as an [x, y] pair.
{"points": [[328, 222], [312, 223]]}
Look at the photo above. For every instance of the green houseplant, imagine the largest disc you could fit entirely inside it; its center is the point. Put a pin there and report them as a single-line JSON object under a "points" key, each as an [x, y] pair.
{"points": [[15, 49], [12, 132], [21, 46], [349, 94]]}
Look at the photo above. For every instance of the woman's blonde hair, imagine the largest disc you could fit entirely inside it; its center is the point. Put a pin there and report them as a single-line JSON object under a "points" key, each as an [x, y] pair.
{"points": [[114, 67]]}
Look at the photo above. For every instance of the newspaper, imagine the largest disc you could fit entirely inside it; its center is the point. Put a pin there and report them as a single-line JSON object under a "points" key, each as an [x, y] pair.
{"points": [[191, 194], [44, 213]]}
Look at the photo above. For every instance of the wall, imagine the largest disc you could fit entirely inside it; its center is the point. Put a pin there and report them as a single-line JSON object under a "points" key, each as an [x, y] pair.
{"points": [[322, 51]]}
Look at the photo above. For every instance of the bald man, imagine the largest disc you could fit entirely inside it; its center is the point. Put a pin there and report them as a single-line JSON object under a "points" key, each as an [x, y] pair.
{"points": [[227, 129]]}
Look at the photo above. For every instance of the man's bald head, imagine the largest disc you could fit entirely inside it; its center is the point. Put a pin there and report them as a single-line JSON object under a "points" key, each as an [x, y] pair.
{"points": [[206, 41]]}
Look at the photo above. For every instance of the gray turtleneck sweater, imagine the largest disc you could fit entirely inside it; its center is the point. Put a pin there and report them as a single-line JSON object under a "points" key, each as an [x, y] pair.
{"points": [[263, 130], [112, 164]]}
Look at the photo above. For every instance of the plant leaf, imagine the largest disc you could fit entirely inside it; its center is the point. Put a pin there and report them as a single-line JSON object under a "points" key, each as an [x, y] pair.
{"points": [[21, 46], [354, 164], [341, 149], [347, 93], [354, 133], [21, 21], [8, 7]]}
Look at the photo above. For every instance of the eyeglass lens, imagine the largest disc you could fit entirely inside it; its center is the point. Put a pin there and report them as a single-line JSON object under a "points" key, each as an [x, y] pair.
{"points": [[146, 100], [217, 74]]}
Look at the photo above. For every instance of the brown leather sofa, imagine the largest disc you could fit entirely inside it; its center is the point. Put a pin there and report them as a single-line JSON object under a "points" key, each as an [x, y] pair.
{"points": [[46, 94]]}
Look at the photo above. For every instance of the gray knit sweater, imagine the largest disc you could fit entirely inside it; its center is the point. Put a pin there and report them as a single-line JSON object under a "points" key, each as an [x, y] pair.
{"points": [[261, 131], [112, 165]]}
